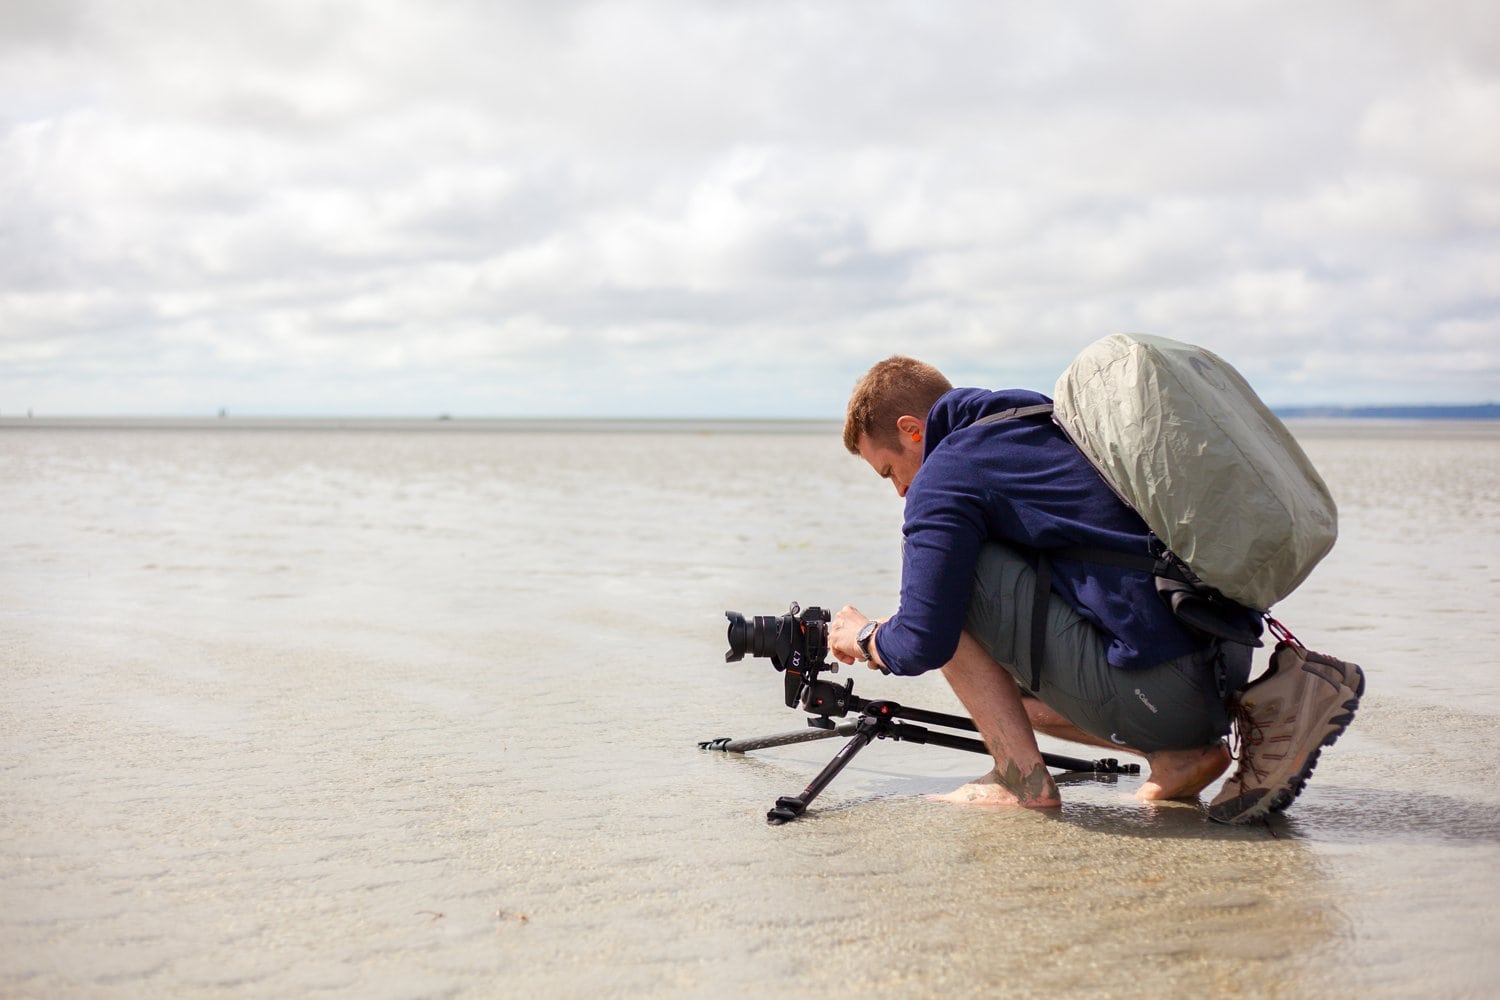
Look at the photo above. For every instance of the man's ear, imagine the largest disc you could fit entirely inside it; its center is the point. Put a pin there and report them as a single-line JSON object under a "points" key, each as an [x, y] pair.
{"points": [[908, 426]]}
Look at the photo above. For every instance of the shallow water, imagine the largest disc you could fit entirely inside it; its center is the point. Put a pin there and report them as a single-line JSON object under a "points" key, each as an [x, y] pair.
{"points": [[412, 712]]}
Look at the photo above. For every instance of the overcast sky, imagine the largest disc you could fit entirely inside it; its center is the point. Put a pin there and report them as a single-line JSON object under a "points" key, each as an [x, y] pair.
{"points": [[727, 208]]}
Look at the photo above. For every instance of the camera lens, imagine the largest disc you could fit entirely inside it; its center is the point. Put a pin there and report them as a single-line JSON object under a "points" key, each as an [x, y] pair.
{"points": [[756, 636]]}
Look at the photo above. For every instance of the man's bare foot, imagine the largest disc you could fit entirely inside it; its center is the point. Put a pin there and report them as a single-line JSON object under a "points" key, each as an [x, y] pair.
{"points": [[1182, 774], [1036, 791]]}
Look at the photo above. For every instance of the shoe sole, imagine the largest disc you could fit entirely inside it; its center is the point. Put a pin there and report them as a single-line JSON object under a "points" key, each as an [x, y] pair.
{"points": [[1262, 802]]}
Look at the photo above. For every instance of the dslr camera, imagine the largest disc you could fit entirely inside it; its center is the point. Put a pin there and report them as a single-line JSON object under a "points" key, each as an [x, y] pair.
{"points": [[797, 645]]}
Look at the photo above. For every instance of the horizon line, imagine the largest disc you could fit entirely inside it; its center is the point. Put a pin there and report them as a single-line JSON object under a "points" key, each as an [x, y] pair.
{"points": [[1416, 411]]}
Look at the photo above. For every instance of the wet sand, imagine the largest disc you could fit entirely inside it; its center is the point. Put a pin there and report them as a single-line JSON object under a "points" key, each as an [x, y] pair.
{"points": [[409, 713]]}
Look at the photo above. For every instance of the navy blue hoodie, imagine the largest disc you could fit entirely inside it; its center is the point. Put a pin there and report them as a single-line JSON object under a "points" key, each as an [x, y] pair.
{"points": [[1025, 484]]}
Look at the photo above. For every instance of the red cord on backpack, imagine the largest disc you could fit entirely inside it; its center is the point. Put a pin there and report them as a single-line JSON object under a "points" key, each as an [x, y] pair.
{"points": [[1282, 633]]}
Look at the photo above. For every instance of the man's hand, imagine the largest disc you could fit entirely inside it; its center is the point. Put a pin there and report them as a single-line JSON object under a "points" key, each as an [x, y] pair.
{"points": [[843, 634]]}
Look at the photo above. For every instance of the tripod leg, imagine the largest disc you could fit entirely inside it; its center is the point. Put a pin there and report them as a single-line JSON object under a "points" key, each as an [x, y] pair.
{"points": [[789, 807], [777, 740]]}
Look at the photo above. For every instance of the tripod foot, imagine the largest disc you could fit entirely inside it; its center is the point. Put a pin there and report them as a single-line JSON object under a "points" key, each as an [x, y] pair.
{"points": [[1109, 765], [787, 808]]}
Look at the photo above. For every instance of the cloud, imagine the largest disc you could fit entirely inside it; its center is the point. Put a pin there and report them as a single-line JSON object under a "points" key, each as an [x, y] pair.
{"points": [[682, 208]]}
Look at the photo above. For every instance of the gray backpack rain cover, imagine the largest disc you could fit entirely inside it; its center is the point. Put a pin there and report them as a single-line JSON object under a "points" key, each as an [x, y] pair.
{"points": [[1184, 440]]}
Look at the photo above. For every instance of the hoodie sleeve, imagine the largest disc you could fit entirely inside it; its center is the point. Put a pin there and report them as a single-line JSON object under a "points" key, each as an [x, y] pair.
{"points": [[943, 531]]}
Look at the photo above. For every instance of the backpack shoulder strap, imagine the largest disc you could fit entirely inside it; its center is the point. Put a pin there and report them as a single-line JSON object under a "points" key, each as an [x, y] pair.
{"points": [[1043, 593], [1015, 413]]}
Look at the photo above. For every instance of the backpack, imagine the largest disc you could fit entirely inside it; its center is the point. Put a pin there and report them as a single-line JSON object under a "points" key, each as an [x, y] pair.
{"points": [[1240, 514]]}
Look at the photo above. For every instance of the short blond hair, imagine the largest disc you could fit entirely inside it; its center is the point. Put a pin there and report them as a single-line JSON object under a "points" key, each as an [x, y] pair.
{"points": [[894, 388]]}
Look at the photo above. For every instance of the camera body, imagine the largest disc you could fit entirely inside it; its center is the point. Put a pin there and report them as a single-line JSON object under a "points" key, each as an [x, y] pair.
{"points": [[796, 644]]}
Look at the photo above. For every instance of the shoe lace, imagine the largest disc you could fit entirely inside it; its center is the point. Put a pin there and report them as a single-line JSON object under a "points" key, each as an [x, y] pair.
{"points": [[1244, 732]]}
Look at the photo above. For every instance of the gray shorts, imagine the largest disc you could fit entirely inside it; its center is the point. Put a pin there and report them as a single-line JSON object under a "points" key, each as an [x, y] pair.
{"points": [[1174, 705]]}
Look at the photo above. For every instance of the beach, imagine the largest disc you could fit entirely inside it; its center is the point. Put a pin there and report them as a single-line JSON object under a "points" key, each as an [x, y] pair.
{"points": [[411, 709]]}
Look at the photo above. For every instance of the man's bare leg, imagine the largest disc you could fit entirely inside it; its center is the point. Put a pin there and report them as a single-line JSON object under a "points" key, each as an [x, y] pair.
{"points": [[1182, 774], [1047, 720], [994, 703], [1175, 774]]}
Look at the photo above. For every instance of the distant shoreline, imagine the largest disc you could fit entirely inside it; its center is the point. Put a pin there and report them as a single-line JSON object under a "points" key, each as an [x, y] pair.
{"points": [[1477, 411], [455, 425]]}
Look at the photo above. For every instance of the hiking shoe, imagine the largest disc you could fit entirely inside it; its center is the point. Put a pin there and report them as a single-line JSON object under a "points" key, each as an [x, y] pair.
{"points": [[1301, 704]]}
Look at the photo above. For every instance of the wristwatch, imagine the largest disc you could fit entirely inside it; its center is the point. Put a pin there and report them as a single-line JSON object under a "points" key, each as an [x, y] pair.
{"points": [[866, 633]]}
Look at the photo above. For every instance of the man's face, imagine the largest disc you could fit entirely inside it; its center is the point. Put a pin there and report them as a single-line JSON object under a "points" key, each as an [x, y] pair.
{"points": [[898, 463]]}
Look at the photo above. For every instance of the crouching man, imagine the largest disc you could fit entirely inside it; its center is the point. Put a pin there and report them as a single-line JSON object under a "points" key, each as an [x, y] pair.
{"points": [[983, 500]]}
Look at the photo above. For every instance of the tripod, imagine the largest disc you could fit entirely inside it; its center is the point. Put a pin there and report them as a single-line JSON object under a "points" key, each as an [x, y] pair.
{"points": [[878, 720]]}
